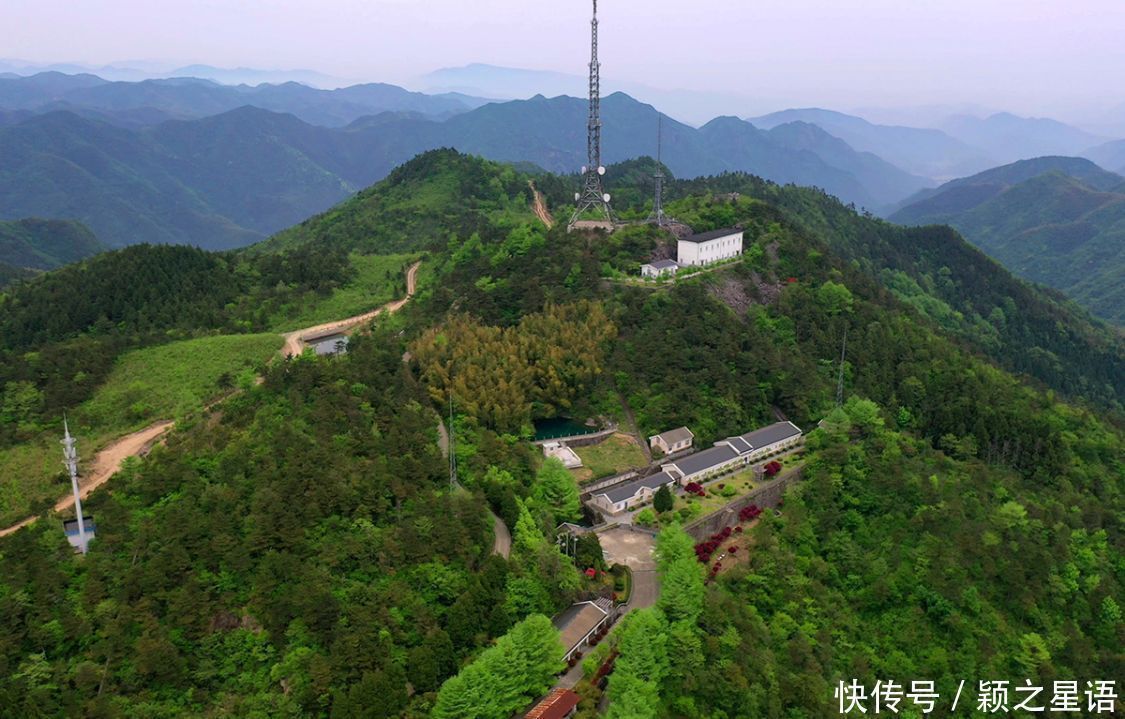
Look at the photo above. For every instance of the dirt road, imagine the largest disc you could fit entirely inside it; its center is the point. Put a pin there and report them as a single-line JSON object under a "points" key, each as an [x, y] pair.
{"points": [[539, 205], [106, 464], [294, 341]]}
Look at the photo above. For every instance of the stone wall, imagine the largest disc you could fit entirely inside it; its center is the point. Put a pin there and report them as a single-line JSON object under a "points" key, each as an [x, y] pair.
{"points": [[768, 496]]}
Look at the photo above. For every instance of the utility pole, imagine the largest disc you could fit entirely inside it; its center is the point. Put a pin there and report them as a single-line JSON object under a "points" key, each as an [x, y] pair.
{"points": [[840, 380], [70, 455], [593, 195], [452, 447]]}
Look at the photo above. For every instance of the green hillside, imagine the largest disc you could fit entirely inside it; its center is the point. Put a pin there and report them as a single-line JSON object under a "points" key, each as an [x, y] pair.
{"points": [[45, 244], [302, 553], [1058, 224], [169, 381], [416, 207]]}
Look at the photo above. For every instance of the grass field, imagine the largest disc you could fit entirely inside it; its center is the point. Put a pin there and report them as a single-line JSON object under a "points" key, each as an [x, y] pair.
{"points": [[165, 382], [614, 455], [379, 279]]}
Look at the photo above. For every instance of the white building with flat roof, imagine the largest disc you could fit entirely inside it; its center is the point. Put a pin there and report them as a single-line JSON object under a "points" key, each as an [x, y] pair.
{"points": [[709, 247]]}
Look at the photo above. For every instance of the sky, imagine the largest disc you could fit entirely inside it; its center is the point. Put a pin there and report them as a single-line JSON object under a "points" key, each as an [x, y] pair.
{"points": [[1063, 58]]}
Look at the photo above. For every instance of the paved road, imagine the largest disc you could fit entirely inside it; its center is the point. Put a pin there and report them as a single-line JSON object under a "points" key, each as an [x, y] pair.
{"points": [[502, 544], [106, 464], [294, 341]]}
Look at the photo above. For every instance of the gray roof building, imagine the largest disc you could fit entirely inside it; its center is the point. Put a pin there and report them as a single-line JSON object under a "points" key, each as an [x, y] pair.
{"points": [[772, 434], [664, 264], [628, 490], [702, 461], [674, 436], [713, 234]]}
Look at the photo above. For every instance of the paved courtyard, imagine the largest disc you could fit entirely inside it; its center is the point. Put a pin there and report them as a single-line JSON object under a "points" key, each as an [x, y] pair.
{"points": [[624, 546]]}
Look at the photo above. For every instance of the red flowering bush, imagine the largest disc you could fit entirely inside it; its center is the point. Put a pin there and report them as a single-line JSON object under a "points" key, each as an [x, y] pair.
{"points": [[773, 468]]}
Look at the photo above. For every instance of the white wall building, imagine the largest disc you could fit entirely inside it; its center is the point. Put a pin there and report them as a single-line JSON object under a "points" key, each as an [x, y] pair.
{"points": [[709, 247], [672, 441], [734, 452], [659, 268]]}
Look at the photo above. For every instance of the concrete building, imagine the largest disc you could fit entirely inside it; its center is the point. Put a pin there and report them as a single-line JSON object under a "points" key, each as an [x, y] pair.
{"points": [[563, 453], [659, 268], [672, 441], [580, 622], [709, 247], [70, 529], [334, 343], [628, 495], [734, 452]]}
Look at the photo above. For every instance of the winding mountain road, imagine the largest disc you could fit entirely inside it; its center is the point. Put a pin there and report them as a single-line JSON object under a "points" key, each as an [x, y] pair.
{"points": [[107, 462], [539, 206], [295, 341]]}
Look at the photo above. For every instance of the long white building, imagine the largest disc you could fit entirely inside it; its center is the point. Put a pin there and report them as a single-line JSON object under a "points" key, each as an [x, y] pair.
{"points": [[708, 247], [726, 456]]}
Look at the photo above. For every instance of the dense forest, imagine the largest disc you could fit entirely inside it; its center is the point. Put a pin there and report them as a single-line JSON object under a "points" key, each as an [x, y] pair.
{"points": [[299, 550]]}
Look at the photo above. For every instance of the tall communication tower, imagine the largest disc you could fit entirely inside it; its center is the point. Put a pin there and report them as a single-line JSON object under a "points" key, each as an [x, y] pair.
{"points": [[70, 455], [658, 217], [593, 195]]}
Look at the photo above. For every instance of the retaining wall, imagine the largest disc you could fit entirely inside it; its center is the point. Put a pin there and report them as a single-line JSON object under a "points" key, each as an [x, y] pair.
{"points": [[767, 496]]}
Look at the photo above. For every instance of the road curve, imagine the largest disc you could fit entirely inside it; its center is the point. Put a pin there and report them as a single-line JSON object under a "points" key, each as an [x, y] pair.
{"points": [[294, 341], [106, 464]]}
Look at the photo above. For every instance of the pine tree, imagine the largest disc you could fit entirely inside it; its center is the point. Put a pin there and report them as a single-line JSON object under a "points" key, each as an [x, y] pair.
{"points": [[556, 489]]}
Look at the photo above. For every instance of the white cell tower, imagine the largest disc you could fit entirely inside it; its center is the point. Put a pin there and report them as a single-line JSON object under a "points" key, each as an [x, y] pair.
{"points": [[71, 461]]}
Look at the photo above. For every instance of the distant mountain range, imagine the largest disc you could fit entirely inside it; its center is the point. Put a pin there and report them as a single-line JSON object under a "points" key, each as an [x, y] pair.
{"points": [[152, 101], [230, 179], [961, 146], [926, 152], [1059, 221]]}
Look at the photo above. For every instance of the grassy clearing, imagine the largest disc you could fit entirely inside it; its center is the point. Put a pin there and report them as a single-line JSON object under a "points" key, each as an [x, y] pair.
{"points": [[165, 382], [735, 485], [379, 279], [617, 453]]}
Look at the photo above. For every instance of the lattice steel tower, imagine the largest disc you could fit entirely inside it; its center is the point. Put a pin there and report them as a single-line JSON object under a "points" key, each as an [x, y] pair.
{"points": [[593, 195], [658, 217]]}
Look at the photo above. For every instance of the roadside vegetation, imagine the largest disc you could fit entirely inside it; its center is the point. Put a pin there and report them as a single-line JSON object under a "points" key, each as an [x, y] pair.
{"points": [[163, 382]]}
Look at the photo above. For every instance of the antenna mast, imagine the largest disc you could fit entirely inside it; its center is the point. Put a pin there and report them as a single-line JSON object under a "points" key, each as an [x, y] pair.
{"points": [[657, 217], [70, 455], [452, 448], [593, 195], [840, 380]]}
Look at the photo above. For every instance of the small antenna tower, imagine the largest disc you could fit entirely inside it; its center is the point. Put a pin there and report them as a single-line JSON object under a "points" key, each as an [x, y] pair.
{"points": [[840, 379], [452, 447], [658, 217], [70, 455], [593, 195]]}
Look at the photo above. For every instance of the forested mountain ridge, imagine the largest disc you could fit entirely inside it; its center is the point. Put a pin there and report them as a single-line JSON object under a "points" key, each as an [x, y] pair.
{"points": [[1056, 221], [234, 178], [33, 243], [299, 552]]}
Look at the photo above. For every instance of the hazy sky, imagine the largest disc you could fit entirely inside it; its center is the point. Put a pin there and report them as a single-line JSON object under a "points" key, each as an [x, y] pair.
{"points": [[1032, 56]]}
